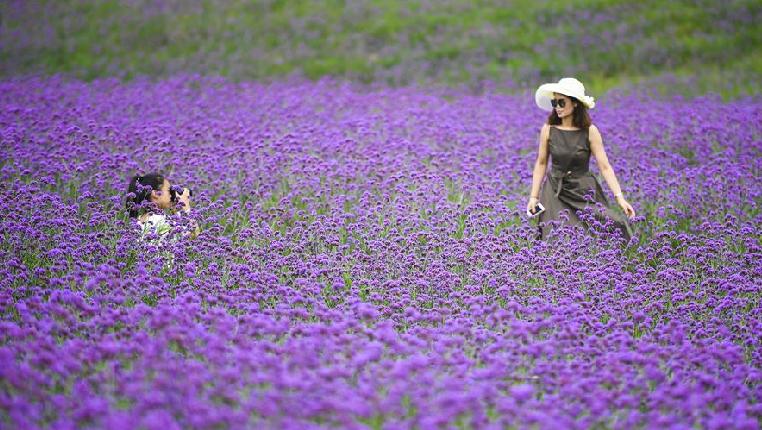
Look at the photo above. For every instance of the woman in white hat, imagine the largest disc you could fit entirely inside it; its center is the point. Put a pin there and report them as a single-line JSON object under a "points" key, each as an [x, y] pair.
{"points": [[570, 138]]}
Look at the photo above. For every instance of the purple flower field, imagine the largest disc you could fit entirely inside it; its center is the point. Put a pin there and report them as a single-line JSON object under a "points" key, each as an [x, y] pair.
{"points": [[365, 262]]}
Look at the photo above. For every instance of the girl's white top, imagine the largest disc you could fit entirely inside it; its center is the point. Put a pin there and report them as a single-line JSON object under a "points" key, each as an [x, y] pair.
{"points": [[156, 224], [159, 225]]}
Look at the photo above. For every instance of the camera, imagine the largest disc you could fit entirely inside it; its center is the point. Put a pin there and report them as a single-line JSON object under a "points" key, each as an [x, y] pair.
{"points": [[175, 191]]}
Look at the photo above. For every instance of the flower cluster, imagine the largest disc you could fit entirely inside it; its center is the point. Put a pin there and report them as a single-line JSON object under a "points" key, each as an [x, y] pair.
{"points": [[364, 262]]}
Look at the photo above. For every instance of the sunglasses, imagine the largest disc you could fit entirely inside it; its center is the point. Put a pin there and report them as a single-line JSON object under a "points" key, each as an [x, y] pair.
{"points": [[558, 103]]}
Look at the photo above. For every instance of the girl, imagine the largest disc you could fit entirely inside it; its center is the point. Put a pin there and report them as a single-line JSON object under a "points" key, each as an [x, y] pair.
{"points": [[149, 196]]}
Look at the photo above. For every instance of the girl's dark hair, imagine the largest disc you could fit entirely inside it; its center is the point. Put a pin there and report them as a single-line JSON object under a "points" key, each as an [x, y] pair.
{"points": [[140, 189], [580, 116]]}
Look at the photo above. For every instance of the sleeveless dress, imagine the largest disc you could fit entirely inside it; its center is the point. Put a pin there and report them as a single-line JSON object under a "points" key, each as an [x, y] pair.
{"points": [[570, 186]]}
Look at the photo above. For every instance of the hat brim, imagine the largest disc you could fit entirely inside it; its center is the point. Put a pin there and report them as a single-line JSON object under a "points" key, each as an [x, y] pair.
{"points": [[544, 94]]}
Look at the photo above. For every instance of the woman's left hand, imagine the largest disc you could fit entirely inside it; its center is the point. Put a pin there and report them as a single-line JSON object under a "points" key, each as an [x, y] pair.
{"points": [[626, 207]]}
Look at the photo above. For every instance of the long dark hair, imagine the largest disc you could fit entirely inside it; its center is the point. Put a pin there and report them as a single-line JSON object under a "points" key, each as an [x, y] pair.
{"points": [[580, 116], [139, 191]]}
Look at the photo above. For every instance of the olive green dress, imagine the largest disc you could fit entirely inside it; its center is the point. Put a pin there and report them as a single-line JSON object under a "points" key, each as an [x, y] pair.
{"points": [[571, 186]]}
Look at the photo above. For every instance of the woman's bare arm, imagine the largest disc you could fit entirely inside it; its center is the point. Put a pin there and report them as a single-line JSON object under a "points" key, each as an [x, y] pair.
{"points": [[596, 148], [541, 163], [607, 171]]}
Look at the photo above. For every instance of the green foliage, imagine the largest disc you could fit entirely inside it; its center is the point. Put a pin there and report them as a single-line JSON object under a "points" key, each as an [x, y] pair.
{"points": [[710, 47]]}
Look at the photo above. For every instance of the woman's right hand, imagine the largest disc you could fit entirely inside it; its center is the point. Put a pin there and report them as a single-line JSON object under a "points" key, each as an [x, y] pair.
{"points": [[532, 203]]}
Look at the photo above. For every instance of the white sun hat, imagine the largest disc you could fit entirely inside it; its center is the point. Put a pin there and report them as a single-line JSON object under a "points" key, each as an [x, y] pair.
{"points": [[566, 86]]}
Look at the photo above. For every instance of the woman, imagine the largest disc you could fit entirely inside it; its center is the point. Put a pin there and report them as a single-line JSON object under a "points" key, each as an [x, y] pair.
{"points": [[570, 138], [149, 196]]}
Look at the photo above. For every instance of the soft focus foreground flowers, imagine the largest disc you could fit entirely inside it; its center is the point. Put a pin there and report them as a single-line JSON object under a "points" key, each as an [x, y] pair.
{"points": [[364, 263]]}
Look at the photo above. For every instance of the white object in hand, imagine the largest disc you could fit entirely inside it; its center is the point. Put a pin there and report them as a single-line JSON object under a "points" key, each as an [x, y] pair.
{"points": [[540, 208]]}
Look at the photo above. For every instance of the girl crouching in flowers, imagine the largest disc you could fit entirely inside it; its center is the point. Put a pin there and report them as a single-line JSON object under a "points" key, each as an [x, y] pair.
{"points": [[148, 199]]}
